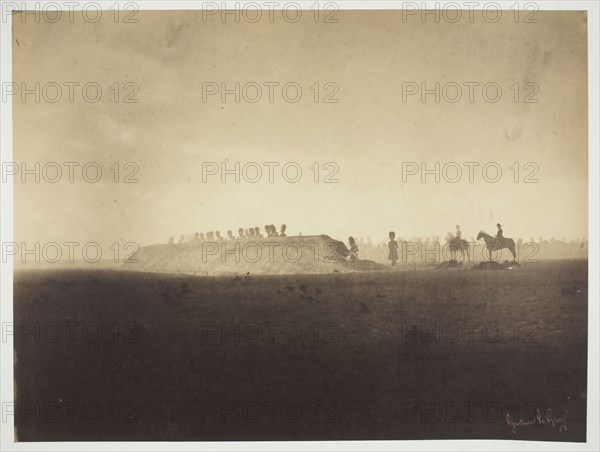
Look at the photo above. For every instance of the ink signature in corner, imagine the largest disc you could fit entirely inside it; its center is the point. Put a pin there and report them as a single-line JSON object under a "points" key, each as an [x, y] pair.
{"points": [[539, 418]]}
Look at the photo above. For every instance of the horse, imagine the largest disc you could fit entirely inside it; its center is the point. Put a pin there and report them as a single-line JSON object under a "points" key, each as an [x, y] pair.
{"points": [[455, 245], [492, 245]]}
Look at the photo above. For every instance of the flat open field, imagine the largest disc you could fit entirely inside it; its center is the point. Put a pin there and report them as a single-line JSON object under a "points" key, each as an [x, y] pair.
{"points": [[111, 355]]}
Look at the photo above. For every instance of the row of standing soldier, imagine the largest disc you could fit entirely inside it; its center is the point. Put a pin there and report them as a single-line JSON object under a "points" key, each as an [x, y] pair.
{"points": [[393, 244], [250, 233]]}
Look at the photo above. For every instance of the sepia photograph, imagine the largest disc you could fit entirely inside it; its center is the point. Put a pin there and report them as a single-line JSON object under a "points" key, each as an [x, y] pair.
{"points": [[303, 224]]}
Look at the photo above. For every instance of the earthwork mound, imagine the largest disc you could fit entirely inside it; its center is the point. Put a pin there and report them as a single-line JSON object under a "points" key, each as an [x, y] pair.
{"points": [[490, 266], [266, 256], [451, 264]]}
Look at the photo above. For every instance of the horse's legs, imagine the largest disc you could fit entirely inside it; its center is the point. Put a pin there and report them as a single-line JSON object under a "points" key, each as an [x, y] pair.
{"points": [[490, 253], [512, 250]]}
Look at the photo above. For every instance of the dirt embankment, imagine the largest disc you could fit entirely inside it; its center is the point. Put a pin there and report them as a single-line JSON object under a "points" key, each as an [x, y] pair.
{"points": [[266, 256]]}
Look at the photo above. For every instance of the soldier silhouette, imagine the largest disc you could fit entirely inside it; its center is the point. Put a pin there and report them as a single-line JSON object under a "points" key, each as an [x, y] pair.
{"points": [[393, 246], [283, 228], [499, 236], [230, 235], [353, 252]]}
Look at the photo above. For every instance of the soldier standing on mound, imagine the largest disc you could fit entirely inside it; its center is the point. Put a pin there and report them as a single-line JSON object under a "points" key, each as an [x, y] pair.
{"points": [[353, 253]]}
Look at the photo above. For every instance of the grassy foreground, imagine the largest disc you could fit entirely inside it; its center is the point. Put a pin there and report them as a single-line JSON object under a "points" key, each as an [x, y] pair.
{"points": [[110, 355]]}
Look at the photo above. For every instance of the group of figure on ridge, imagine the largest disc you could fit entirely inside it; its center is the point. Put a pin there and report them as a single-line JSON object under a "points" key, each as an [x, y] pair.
{"points": [[351, 253], [250, 233]]}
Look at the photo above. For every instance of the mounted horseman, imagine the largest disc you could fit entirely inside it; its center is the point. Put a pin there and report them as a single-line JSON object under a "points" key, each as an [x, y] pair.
{"points": [[498, 242]]}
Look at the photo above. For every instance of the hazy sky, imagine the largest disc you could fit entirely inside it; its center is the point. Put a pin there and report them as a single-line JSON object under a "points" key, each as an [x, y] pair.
{"points": [[369, 133]]}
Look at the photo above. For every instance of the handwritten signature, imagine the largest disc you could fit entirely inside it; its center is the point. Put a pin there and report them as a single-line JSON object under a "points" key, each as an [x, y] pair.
{"points": [[539, 418]]}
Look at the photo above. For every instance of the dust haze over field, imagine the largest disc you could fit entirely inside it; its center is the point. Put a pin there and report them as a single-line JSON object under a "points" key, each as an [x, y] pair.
{"points": [[172, 129]]}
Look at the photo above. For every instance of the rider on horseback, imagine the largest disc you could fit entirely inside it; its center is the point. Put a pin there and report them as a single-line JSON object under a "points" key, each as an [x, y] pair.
{"points": [[499, 236]]}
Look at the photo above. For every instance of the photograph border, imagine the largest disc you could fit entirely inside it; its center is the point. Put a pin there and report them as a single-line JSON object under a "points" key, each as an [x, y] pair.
{"points": [[593, 376]]}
